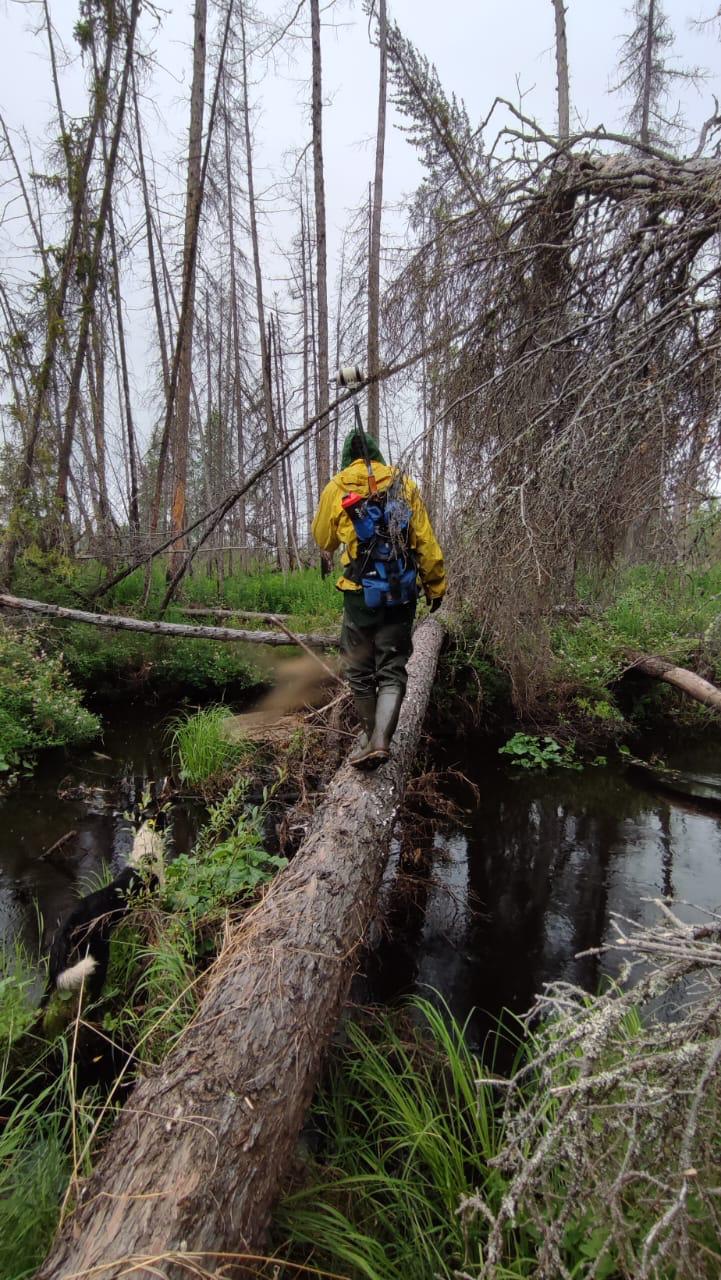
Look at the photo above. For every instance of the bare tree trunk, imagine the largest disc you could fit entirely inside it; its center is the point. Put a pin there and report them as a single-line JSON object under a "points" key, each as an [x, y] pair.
{"points": [[94, 269], [564, 126], [193, 202], [374, 254], [647, 74], [196, 1178], [133, 507], [288, 490], [277, 512], [96, 383], [235, 320], [150, 240], [338, 352], [323, 438], [687, 681], [309, 507]]}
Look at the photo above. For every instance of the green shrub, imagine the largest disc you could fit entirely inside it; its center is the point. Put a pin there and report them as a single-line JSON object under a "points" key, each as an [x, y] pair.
{"points": [[38, 705], [228, 863]]}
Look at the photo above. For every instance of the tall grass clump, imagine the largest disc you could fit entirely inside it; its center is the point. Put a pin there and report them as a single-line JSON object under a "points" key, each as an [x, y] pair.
{"points": [[201, 746], [596, 1160], [304, 594], [35, 1164], [408, 1133]]}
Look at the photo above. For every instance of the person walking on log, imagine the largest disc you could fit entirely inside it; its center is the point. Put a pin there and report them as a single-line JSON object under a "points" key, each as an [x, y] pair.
{"points": [[378, 516]]}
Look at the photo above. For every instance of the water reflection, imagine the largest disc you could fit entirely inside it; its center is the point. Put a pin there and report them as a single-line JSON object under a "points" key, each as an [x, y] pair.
{"points": [[84, 795], [532, 881]]}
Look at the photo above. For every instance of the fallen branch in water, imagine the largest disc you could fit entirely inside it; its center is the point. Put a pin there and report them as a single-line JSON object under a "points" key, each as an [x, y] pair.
{"points": [[179, 629]]}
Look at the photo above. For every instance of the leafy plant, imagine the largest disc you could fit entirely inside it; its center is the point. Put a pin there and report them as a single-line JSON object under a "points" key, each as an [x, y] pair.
{"points": [[38, 705], [17, 1007], [229, 871], [527, 751]]}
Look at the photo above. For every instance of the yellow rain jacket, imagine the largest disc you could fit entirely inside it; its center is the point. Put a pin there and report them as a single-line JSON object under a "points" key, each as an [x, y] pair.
{"points": [[333, 528]]}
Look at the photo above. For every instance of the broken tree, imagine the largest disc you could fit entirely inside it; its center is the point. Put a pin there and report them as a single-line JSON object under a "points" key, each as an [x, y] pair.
{"points": [[191, 1170]]}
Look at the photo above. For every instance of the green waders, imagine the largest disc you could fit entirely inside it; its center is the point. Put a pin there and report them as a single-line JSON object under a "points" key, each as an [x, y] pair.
{"points": [[376, 644]]}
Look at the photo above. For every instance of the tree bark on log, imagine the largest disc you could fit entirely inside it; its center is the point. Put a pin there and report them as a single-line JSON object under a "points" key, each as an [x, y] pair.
{"points": [[687, 681], [192, 1167], [250, 615], [119, 623]]}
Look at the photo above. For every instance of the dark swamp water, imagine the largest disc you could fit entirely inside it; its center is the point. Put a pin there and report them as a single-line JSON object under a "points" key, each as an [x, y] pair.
{"points": [[83, 794], [535, 876], [506, 903]]}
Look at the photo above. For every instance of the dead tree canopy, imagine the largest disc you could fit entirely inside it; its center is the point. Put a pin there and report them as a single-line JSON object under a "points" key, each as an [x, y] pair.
{"points": [[578, 288], [192, 1167]]}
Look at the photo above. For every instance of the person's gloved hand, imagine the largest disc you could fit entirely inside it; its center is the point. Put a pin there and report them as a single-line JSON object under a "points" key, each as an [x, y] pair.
{"points": [[326, 564], [435, 603]]}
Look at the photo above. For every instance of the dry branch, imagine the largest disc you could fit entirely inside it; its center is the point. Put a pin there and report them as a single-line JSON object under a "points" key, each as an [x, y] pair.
{"points": [[195, 1159], [119, 623]]}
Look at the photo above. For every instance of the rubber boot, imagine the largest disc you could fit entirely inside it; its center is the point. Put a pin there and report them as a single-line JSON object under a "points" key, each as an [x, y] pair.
{"points": [[366, 711], [388, 709]]}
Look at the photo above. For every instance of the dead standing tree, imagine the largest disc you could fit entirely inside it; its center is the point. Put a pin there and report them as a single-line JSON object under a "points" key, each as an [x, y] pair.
{"points": [[193, 206], [580, 293]]}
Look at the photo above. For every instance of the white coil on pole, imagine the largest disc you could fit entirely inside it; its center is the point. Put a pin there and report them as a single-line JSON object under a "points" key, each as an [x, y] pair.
{"points": [[350, 376]]}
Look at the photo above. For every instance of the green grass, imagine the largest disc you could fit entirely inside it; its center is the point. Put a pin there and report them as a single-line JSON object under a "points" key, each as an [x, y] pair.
{"points": [[408, 1133], [425, 1167], [201, 749], [99, 658], [35, 1164], [647, 609]]}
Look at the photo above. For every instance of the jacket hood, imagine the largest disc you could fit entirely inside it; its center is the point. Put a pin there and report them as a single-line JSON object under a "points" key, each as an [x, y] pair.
{"points": [[374, 452]]}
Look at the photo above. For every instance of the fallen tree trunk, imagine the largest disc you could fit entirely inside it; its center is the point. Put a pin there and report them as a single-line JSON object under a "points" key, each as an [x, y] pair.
{"points": [[192, 1167], [687, 681], [249, 614], [119, 623]]}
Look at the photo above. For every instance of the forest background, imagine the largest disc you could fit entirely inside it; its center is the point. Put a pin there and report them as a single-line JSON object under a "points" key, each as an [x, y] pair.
{"points": [[532, 281]]}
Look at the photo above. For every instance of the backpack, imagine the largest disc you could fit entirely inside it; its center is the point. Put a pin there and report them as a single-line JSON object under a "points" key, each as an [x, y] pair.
{"points": [[385, 566]]}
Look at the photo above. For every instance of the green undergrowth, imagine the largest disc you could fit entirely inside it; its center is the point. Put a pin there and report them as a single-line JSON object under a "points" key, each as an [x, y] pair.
{"points": [[586, 692], [673, 612], [406, 1132], [159, 957], [38, 705], [41, 1122], [100, 658], [423, 1167]]}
